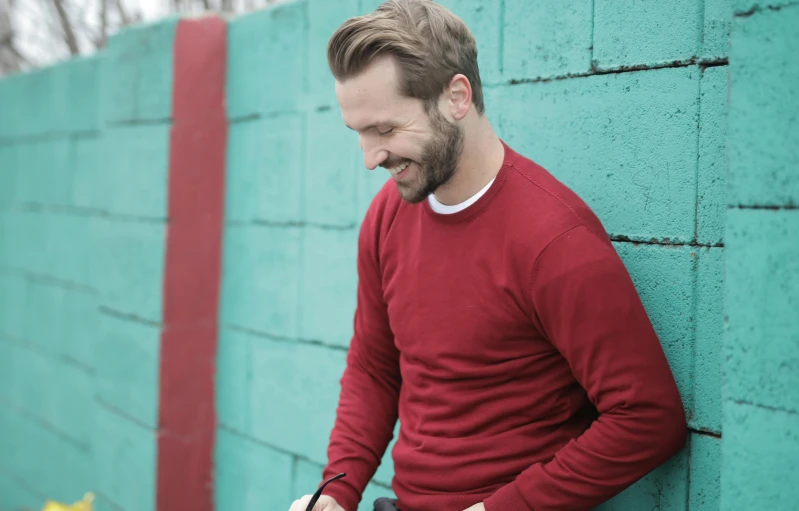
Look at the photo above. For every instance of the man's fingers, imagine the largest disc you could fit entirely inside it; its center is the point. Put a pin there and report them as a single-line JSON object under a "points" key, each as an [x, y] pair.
{"points": [[300, 504]]}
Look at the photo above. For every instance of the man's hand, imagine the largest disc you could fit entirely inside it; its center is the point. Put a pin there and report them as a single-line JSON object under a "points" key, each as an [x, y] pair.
{"points": [[476, 507], [324, 503]]}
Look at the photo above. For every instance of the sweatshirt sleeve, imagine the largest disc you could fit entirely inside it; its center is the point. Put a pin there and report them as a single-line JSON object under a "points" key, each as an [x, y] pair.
{"points": [[588, 307], [367, 407]]}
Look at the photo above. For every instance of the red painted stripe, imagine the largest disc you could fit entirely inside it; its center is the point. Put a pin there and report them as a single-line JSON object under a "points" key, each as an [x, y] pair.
{"points": [[187, 413]]}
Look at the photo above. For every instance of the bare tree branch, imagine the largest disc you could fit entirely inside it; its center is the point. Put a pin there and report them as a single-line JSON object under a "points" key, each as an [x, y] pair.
{"points": [[66, 26], [123, 13]]}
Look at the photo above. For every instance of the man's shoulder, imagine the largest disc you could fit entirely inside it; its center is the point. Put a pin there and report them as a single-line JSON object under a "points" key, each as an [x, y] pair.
{"points": [[545, 202]]}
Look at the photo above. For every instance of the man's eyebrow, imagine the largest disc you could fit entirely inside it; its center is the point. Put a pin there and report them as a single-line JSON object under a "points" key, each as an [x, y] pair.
{"points": [[367, 128]]}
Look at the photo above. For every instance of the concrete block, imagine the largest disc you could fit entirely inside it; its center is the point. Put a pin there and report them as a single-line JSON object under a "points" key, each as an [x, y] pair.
{"points": [[13, 299], [705, 479], [265, 169], [716, 29], [18, 494], [124, 460], [664, 489], [80, 317], [760, 456], [43, 174], [329, 284], [234, 379], [26, 442], [333, 160], [281, 371], [663, 277], [761, 347], [250, 475], [43, 316], [485, 21], [324, 17], [126, 362], [137, 73], [70, 248], [20, 369], [712, 184], [90, 184], [621, 141], [709, 334], [76, 93], [137, 182], [267, 51], [260, 284], [546, 39], [129, 266], [763, 126], [9, 174], [34, 113], [633, 33]]}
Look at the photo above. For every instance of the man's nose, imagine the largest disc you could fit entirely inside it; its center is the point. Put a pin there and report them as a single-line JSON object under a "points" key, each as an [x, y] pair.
{"points": [[373, 154]]}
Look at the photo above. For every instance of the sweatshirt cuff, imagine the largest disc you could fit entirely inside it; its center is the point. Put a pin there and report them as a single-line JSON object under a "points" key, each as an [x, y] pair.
{"points": [[344, 494], [507, 498]]}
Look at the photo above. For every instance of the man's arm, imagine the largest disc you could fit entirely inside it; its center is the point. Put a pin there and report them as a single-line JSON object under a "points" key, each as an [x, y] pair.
{"points": [[585, 302], [367, 409]]}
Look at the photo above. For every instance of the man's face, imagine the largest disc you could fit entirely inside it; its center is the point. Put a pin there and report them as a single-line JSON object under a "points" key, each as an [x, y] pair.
{"points": [[420, 151]]}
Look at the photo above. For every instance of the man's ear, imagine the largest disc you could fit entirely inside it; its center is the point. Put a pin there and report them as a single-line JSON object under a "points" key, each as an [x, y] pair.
{"points": [[459, 96]]}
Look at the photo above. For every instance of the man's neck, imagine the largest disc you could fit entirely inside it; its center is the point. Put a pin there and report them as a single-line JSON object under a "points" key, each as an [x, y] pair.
{"points": [[480, 161]]}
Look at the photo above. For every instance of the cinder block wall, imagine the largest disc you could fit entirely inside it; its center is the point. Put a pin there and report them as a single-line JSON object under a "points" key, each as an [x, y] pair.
{"points": [[761, 341], [83, 180], [624, 101]]}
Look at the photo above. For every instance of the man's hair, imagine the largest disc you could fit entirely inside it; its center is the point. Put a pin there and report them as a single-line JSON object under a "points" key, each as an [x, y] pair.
{"points": [[429, 43]]}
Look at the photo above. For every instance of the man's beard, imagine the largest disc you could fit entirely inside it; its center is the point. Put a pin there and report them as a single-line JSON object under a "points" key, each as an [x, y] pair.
{"points": [[439, 160]]}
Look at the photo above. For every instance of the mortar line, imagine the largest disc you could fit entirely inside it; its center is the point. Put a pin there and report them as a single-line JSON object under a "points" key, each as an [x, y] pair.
{"points": [[61, 209], [48, 136], [280, 338], [501, 42], [290, 224], [758, 8], [591, 64], [688, 445], [124, 415], [301, 241], [702, 432], [155, 121], [4, 470], [50, 280], [676, 64], [44, 424], [698, 152], [108, 311], [701, 17], [788, 207], [765, 407], [41, 351], [620, 238]]}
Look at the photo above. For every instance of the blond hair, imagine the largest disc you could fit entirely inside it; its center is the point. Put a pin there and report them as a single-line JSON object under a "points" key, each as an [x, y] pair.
{"points": [[429, 43]]}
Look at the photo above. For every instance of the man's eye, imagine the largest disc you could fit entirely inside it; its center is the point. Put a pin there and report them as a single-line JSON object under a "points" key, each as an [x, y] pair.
{"points": [[385, 132]]}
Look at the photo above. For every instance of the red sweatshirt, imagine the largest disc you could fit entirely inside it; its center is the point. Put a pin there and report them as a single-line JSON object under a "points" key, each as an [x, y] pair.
{"points": [[511, 344]]}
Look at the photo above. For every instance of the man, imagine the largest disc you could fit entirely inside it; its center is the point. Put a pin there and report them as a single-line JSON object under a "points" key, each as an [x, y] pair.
{"points": [[494, 318]]}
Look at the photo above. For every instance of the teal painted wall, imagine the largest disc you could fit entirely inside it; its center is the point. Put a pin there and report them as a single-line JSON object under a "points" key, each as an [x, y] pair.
{"points": [[761, 339], [690, 163], [83, 175], [625, 101]]}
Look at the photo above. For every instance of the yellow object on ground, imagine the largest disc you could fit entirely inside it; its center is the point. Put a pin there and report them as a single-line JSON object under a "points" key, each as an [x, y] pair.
{"points": [[84, 504]]}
